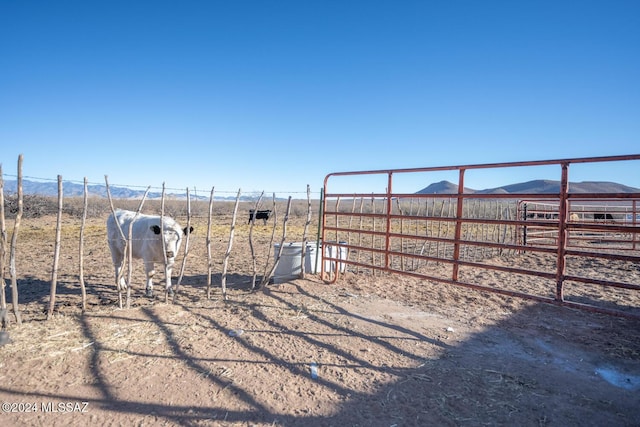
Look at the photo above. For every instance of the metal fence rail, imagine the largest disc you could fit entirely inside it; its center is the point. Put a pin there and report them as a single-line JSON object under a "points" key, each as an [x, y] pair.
{"points": [[577, 250], [589, 221]]}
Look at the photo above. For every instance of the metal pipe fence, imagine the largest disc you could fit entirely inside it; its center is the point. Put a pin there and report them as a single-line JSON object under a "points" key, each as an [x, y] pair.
{"points": [[577, 250]]}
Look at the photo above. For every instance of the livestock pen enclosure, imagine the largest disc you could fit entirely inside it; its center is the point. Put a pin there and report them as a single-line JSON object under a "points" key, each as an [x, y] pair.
{"points": [[374, 348]]}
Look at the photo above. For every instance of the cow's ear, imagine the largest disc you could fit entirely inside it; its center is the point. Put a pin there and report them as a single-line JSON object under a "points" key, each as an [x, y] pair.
{"points": [[187, 231], [156, 229]]}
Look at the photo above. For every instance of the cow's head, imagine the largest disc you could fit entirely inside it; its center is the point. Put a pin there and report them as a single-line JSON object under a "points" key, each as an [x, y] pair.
{"points": [[172, 237]]}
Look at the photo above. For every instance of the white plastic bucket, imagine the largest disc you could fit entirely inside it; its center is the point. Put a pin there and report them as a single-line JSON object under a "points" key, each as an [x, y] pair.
{"points": [[290, 265]]}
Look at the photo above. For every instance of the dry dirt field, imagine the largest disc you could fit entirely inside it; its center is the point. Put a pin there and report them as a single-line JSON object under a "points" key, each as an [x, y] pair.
{"points": [[388, 350]]}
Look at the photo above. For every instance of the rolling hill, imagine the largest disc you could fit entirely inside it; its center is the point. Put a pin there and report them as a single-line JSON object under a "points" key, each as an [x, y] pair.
{"points": [[539, 186]]}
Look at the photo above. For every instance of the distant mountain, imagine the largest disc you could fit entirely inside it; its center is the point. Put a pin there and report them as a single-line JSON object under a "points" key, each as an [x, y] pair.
{"points": [[539, 186], [443, 187], [544, 186], [71, 189]]}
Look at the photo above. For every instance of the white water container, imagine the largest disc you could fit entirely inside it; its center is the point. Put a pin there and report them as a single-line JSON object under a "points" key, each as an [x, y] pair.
{"points": [[331, 250], [290, 265]]}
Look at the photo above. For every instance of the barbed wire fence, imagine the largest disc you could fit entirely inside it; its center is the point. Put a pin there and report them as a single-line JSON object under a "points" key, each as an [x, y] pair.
{"points": [[95, 203]]}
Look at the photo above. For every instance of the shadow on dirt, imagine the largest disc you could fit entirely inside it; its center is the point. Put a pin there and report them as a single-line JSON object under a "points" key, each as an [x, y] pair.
{"points": [[103, 292], [33, 291], [535, 368]]}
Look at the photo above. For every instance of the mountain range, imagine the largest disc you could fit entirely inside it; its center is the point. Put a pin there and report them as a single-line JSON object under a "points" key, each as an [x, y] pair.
{"points": [[71, 189], [538, 186]]}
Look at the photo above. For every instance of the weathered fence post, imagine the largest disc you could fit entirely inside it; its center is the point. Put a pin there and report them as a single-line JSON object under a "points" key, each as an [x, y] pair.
{"points": [[3, 256], [209, 266], [81, 248], [273, 234], [127, 245], [164, 248], [124, 239], [304, 233], [225, 263], [56, 251], [186, 247], [14, 242], [253, 253]]}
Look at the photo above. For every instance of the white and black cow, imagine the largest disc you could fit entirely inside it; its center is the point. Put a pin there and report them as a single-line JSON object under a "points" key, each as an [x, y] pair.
{"points": [[146, 243]]}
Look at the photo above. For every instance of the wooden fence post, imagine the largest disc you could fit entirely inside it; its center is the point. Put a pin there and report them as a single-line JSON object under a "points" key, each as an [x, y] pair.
{"points": [[274, 209], [56, 251], [186, 247], [122, 236], [225, 263], [253, 253], [164, 248], [304, 233], [81, 247], [3, 256], [14, 242], [127, 245], [209, 267]]}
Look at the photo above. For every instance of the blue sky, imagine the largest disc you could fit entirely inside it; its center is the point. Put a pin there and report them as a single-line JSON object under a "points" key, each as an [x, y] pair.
{"points": [[274, 95]]}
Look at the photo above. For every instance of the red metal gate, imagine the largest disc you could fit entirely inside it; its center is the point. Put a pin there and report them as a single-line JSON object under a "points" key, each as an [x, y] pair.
{"points": [[452, 237]]}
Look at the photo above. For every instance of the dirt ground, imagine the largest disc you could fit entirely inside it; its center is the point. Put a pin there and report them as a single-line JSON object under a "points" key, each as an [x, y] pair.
{"points": [[367, 351]]}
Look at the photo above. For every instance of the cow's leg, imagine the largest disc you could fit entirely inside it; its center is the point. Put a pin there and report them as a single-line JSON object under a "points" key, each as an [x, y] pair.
{"points": [[121, 284], [118, 257], [150, 270], [167, 271]]}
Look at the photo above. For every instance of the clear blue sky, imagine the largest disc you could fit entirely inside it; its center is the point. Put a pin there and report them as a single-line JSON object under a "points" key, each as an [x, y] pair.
{"points": [[274, 95]]}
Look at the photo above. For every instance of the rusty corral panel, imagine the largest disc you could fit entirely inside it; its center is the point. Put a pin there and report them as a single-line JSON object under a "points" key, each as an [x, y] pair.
{"points": [[579, 250]]}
